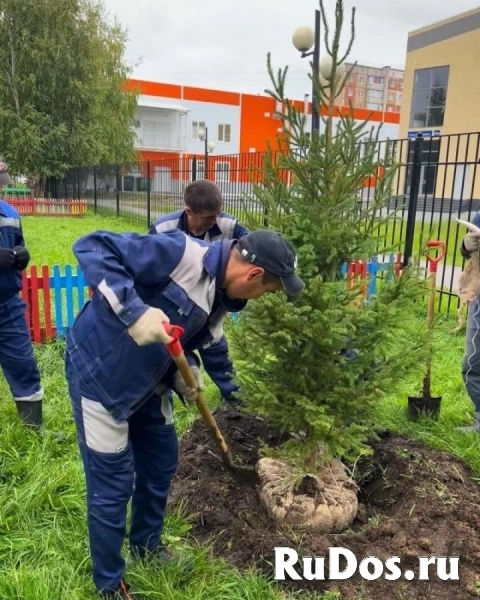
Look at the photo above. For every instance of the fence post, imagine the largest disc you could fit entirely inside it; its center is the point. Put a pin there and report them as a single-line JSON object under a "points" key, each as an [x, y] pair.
{"points": [[95, 190], [149, 175], [117, 187], [194, 168], [413, 198]]}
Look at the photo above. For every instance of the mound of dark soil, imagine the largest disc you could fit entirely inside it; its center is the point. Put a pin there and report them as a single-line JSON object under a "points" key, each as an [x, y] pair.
{"points": [[415, 502]]}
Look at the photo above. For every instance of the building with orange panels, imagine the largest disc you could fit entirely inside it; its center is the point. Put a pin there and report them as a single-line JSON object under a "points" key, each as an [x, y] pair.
{"points": [[169, 118], [241, 127]]}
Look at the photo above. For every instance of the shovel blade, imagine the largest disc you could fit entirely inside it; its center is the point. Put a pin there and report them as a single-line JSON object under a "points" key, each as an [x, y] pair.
{"points": [[425, 406], [242, 474]]}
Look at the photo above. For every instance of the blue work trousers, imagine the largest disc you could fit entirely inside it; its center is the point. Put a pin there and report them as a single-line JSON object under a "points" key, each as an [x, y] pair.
{"points": [[217, 364], [16, 353], [136, 459], [471, 357]]}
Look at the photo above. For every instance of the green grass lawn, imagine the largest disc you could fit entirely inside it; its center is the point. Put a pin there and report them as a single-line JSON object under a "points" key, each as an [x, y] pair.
{"points": [[50, 239], [43, 538], [392, 234]]}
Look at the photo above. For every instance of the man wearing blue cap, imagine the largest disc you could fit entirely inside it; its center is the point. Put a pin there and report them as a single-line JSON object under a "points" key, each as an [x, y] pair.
{"points": [[16, 351], [119, 370]]}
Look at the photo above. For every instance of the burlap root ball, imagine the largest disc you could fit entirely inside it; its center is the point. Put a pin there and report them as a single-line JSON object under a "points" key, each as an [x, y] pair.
{"points": [[320, 504]]}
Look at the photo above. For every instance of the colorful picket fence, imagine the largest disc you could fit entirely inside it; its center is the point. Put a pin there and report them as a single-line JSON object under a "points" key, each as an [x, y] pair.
{"points": [[367, 273], [49, 208], [55, 295], [53, 299]]}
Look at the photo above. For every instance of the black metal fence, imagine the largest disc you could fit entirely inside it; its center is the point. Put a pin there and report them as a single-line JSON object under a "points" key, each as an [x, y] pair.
{"points": [[437, 181], [141, 191]]}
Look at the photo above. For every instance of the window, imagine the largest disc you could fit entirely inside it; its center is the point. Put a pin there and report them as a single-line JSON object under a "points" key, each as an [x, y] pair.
{"points": [[375, 94], [222, 172], [375, 79], [361, 80], [224, 133], [361, 93], [196, 127], [349, 92], [429, 97], [200, 168]]}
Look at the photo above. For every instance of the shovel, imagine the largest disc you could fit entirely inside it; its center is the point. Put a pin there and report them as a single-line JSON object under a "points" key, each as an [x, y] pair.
{"points": [[426, 404], [243, 474]]}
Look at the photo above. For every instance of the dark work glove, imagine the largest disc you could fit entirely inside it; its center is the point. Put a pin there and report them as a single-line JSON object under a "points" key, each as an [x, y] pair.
{"points": [[22, 258], [7, 257]]}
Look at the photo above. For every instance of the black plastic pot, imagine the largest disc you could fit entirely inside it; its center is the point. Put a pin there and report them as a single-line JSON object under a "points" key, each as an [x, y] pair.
{"points": [[423, 407]]}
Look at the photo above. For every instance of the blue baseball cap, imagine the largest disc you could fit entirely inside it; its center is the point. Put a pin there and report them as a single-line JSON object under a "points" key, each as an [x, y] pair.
{"points": [[271, 251]]}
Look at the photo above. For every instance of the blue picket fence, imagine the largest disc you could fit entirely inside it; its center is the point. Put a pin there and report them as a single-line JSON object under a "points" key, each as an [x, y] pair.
{"points": [[64, 287], [65, 292]]}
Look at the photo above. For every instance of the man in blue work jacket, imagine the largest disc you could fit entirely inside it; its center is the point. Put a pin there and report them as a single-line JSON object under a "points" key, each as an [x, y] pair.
{"points": [[119, 370], [204, 219], [16, 351]]}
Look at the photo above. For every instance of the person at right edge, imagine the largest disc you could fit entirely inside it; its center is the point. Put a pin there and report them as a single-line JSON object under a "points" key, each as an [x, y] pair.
{"points": [[471, 357]]}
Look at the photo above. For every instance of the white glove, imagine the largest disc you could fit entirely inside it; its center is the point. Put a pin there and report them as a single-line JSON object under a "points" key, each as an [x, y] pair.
{"points": [[471, 242], [189, 394], [148, 329]]}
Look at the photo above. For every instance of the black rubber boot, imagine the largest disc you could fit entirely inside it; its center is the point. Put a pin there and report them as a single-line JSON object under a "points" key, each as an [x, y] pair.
{"points": [[122, 593], [30, 413]]}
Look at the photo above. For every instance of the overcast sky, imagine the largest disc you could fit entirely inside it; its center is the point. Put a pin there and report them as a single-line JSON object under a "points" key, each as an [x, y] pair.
{"points": [[223, 44]]}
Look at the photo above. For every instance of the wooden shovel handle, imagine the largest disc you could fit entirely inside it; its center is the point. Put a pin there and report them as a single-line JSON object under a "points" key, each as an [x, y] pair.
{"points": [[176, 351]]}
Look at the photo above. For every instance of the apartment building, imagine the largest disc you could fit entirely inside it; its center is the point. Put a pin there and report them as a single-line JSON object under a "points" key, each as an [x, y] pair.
{"points": [[441, 93], [374, 88]]}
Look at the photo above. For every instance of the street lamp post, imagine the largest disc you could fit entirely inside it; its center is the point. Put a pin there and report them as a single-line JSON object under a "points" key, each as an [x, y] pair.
{"points": [[209, 147], [303, 39]]}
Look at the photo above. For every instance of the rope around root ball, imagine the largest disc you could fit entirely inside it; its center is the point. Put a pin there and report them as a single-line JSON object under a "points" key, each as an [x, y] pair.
{"points": [[316, 504]]}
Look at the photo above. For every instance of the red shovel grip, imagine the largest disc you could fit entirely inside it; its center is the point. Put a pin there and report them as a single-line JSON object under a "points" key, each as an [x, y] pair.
{"points": [[434, 260], [175, 332]]}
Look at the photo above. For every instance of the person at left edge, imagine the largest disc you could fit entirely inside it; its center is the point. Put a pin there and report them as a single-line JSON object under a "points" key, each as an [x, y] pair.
{"points": [[17, 357]]}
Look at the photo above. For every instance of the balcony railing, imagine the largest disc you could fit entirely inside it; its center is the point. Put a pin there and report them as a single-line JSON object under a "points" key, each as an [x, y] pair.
{"points": [[160, 141]]}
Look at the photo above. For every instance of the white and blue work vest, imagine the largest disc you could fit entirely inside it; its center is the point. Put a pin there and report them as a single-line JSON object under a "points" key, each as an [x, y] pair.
{"points": [[129, 272]]}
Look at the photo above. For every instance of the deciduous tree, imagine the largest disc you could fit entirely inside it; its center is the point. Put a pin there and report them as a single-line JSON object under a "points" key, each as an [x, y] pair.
{"points": [[62, 98]]}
